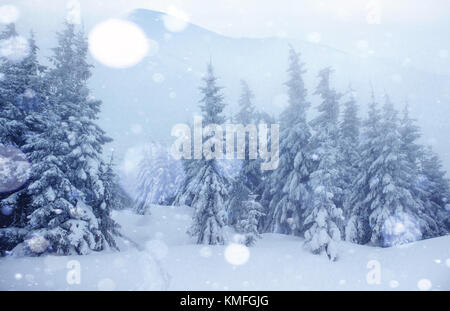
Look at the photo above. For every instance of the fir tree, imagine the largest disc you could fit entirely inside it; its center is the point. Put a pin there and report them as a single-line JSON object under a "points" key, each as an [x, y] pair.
{"points": [[247, 223], [204, 188], [22, 94], [249, 178], [67, 201], [349, 132], [21, 91], [323, 216], [286, 190], [387, 211], [409, 134], [435, 181]]}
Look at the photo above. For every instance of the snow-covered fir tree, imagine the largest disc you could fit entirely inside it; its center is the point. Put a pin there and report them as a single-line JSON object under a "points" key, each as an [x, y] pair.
{"points": [[22, 93], [409, 134], [68, 199], [248, 220], [204, 188], [285, 190], [323, 216], [348, 147], [113, 198], [435, 180], [159, 178], [249, 178], [357, 227], [386, 209], [436, 186], [21, 89]]}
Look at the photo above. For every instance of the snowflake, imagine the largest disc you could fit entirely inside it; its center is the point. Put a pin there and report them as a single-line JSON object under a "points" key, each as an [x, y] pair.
{"points": [[38, 244]]}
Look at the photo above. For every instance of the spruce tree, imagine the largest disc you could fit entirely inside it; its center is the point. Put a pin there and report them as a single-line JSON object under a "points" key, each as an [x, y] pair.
{"points": [[204, 188], [249, 178], [435, 180], [21, 91], [348, 147], [387, 210], [68, 196], [285, 190], [323, 216], [22, 97], [248, 220], [409, 134]]}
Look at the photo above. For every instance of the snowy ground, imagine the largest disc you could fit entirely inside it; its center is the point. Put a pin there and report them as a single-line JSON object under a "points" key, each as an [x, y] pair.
{"points": [[164, 258]]}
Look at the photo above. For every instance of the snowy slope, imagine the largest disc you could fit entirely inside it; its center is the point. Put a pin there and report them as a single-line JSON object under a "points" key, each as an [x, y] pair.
{"points": [[166, 258]]}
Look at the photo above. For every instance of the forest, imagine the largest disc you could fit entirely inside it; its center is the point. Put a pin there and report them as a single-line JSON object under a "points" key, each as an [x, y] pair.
{"points": [[341, 177]]}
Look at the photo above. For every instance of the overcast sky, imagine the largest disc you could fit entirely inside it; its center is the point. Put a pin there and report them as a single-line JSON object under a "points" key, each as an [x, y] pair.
{"points": [[412, 32]]}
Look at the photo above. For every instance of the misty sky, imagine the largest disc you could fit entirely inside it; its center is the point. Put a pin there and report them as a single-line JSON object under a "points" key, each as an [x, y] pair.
{"points": [[407, 33], [411, 32]]}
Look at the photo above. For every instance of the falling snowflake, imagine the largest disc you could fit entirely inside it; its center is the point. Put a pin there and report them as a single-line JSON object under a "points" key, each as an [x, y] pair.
{"points": [[393, 284], [424, 285], [206, 252], [237, 254], [7, 210], [29, 93], [400, 229], [175, 20], [38, 244], [14, 168], [136, 129], [118, 43], [158, 77], [314, 157]]}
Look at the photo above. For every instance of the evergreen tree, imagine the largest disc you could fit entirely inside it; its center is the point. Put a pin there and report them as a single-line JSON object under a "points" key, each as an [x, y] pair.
{"points": [[114, 198], [246, 108], [323, 216], [22, 93], [204, 188], [433, 181], [409, 134], [21, 90], [69, 193], [387, 211], [286, 189], [159, 178], [248, 221], [357, 228], [249, 178], [349, 131]]}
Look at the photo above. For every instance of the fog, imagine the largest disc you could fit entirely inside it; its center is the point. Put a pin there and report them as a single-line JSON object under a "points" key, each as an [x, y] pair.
{"points": [[402, 47]]}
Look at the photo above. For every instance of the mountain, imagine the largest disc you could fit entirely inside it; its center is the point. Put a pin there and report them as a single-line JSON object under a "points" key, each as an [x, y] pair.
{"points": [[142, 103]]}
